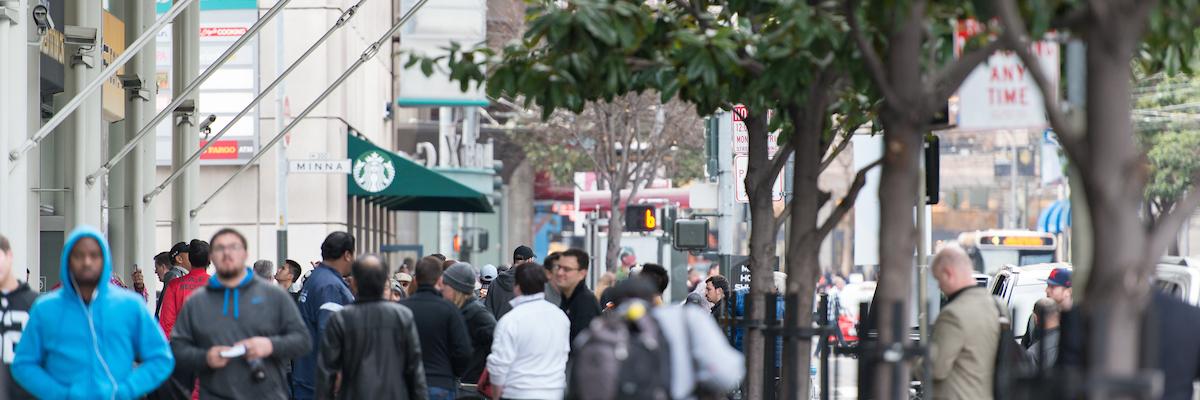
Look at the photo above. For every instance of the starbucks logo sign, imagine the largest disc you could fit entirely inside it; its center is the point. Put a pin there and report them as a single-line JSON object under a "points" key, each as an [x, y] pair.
{"points": [[373, 171]]}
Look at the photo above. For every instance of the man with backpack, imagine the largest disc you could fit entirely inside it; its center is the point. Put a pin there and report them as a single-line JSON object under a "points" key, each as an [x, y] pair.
{"points": [[967, 333], [701, 359]]}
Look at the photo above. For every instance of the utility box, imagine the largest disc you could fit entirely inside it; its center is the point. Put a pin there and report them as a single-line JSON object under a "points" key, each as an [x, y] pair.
{"points": [[691, 234]]}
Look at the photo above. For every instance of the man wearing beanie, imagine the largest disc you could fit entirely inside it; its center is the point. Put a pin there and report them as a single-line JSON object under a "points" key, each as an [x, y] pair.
{"points": [[458, 286], [445, 346]]}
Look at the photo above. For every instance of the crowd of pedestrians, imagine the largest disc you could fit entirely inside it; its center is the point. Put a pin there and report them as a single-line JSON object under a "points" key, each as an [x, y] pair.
{"points": [[353, 328]]}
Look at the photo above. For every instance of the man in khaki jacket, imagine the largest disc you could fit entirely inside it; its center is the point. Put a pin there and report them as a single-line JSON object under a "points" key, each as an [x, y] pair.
{"points": [[967, 331]]}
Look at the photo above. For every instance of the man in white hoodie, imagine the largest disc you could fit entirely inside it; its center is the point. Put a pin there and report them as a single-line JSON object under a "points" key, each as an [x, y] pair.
{"points": [[532, 342]]}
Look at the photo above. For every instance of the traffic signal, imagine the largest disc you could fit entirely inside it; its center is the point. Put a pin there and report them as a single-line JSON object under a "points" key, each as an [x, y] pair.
{"points": [[640, 218], [691, 234]]}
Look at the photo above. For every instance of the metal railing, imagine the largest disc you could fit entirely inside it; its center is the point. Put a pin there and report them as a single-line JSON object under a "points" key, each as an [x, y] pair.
{"points": [[366, 55], [95, 84]]}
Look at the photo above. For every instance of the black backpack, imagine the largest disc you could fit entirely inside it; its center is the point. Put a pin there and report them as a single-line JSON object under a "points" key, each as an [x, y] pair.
{"points": [[622, 355], [1011, 361]]}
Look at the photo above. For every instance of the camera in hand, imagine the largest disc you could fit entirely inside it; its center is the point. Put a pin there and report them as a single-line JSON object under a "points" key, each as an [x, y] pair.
{"points": [[258, 372]]}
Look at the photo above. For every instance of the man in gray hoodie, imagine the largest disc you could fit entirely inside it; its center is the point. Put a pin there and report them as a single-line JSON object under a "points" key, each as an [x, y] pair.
{"points": [[239, 332]]}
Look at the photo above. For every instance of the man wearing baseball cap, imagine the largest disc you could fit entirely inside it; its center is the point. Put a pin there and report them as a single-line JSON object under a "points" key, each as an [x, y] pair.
{"points": [[1058, 287]]}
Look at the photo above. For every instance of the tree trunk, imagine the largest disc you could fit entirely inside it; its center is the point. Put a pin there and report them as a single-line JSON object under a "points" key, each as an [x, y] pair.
{"points": [[897, 243], [762, 249], [616, 226], [803, 262], [1118, 288], [903, 126]]}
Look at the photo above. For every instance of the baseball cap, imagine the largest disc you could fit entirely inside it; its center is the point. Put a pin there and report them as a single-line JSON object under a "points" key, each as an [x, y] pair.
{"points": [[404, 277], [181, 247], [1059, 277], [488, 273], [522, 253]]}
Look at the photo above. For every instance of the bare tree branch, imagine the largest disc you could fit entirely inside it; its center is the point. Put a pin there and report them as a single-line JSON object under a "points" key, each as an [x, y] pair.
{"points": [[837, 150], [847, 203], [777, 164], [1016, 38], [1165, 229], [950, 77], [874, 63], [783, 216]]}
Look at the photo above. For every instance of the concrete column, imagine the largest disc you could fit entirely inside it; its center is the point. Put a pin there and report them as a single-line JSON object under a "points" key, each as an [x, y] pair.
{"points": [[118, 236], [15, 33], [138, 170], [185, 66], [30, 256], [84, 143]]}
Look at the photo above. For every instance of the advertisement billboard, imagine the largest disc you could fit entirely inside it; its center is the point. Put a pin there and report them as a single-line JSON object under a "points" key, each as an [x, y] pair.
{"points": [[224, 94]]}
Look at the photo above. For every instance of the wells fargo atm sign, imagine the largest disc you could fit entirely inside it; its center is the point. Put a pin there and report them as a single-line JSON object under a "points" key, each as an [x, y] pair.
{"points": [[227, 149]]}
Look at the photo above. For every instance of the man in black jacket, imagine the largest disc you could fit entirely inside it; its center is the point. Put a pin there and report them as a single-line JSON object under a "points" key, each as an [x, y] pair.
{"points": [[373, 343], [578, 301], [445, 347]]}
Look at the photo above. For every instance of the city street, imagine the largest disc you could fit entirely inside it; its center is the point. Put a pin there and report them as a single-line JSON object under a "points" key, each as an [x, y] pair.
{"points": [[598, 199]]}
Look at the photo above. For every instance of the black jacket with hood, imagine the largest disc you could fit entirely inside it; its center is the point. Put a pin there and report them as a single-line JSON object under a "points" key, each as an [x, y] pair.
{"points": [[220, 316], [375, 345], [500, 293]]}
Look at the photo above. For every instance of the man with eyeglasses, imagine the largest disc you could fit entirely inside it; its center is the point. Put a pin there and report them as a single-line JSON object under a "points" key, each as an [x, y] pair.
{"points": [[238, 332], [578, 301]]}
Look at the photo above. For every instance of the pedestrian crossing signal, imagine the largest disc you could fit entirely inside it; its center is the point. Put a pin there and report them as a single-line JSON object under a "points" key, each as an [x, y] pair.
{"points": [[640, 218]]}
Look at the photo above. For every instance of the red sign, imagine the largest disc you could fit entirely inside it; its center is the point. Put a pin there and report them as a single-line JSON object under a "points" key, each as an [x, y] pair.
{"points": [[220, 150], [223, 31]]}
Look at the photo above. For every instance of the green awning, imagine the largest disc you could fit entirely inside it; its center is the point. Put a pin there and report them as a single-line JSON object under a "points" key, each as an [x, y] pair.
{"points": [[399, 184]]}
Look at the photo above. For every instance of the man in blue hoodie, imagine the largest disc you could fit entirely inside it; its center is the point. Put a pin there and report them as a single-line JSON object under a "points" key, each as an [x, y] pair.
{"points": [[324, 293], [83, 340]]}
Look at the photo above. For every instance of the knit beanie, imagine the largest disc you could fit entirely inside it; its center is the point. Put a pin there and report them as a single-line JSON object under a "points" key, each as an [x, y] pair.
{"points": [[461, 276]]}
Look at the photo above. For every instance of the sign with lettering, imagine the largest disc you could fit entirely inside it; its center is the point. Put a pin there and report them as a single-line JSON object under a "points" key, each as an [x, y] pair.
{"points": [[1001, 93], [741, 137], [319, 166]]}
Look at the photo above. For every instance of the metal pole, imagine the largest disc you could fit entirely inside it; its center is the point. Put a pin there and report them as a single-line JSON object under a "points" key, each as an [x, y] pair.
{"points": [[98, 81], [281, 162], [190, 86], [346, 16], [366, 55], [923, 302], [1015, 221], [185, 65]]}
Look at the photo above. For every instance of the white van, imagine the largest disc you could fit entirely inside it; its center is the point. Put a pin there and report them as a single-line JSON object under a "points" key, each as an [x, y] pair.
{"points": [[1018, 288]]}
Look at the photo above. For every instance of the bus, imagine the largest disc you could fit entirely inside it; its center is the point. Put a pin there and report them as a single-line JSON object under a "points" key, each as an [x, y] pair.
{"points": [[991, 250]]}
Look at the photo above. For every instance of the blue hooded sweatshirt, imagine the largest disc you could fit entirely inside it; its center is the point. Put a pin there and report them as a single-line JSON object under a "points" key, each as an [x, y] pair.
{"points": [[73, 350]]}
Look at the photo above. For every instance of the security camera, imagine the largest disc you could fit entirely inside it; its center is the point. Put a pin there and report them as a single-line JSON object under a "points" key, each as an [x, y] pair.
{"points": [[81, 36], [205, 125], [41, 17]]}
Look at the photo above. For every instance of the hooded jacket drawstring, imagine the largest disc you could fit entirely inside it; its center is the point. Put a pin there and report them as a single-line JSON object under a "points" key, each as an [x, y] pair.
{"points": [[214, 283]]}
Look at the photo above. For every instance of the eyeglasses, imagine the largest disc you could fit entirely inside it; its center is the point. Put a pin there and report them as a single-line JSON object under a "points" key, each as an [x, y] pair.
{"points": [[230, 248], [569, 269]]}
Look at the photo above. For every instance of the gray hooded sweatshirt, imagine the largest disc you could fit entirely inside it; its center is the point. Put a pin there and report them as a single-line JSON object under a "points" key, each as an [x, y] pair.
{"points": [[220, 316]]}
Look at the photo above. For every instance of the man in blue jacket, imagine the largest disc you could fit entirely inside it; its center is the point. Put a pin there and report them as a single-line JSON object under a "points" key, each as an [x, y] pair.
{"points": [[324, 292], [84, 339]]}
